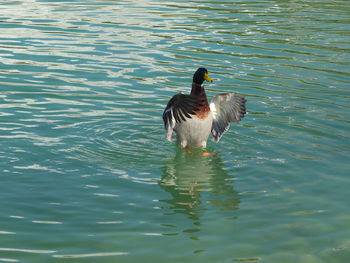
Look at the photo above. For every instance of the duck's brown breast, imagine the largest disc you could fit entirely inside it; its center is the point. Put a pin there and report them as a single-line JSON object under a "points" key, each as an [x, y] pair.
{"points": [[203, 111]]}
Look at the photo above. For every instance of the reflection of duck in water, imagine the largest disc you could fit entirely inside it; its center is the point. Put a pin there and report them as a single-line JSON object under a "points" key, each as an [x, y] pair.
{"points": [[194, 181], [193, 118]]}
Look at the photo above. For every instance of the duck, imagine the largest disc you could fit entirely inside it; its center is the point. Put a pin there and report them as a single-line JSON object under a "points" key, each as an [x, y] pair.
{"points": [[192, 118]]}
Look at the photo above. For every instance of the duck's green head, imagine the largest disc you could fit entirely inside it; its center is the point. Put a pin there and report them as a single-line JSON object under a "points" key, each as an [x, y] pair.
{"points": [[200, 75]]}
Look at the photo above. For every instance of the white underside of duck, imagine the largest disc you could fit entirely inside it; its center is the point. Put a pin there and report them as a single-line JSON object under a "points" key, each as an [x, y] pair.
{"points": [[194, 132]]}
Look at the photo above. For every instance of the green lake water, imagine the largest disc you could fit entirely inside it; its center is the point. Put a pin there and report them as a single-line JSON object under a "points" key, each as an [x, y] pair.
{"points": [[86, 174]]}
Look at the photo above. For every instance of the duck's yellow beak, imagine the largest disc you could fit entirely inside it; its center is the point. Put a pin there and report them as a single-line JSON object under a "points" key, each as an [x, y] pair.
{"points": [[207, 78]]}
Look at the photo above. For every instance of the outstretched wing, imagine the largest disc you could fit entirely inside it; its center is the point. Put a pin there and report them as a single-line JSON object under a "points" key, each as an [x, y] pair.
{"points": [[226, 108], [178, 109]]}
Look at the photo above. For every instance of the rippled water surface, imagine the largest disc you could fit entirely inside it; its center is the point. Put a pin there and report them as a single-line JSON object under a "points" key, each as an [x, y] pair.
{"points": [[86, 172]]}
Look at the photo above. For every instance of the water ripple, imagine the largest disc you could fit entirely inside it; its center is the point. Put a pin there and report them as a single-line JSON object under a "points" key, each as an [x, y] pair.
{"points": [[104, 254], [33, 251]]}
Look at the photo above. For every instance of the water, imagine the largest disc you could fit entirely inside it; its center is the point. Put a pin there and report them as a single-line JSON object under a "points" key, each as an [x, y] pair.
{"points": [[86, 172]]}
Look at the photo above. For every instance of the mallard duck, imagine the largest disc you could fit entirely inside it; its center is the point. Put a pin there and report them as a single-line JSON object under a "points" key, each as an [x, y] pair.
{"points": [[192, 118]]}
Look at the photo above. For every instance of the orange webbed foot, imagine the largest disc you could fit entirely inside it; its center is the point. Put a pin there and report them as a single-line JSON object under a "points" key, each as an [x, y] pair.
{"points": [[187, 151], [207, 154]]}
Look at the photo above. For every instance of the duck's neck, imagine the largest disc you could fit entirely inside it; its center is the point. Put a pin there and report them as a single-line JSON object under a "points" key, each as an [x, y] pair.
{"points": [[198, 90]]}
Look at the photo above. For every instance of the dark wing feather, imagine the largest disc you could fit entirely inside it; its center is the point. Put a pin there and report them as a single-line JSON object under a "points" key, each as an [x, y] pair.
{"points": [[226, 108], [179, 108]]}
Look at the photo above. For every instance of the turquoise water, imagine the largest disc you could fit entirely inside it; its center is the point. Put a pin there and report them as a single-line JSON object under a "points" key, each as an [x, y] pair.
{"points": [[86, 172]]}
